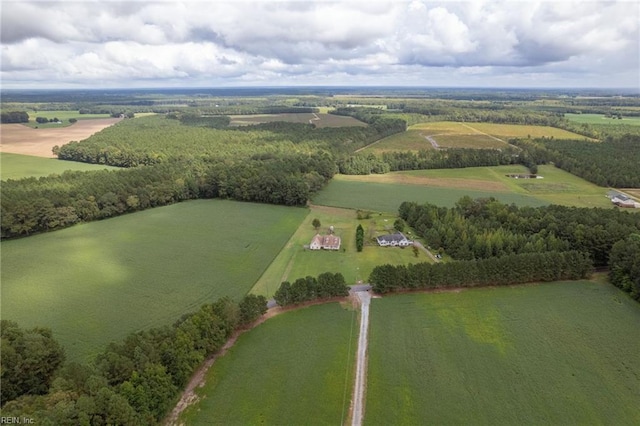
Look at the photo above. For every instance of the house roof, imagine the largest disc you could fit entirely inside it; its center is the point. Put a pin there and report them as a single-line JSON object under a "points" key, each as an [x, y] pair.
{"points": [[398, 236]]}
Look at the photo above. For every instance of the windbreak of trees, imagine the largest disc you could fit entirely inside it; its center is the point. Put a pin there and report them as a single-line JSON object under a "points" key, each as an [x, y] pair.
{"points": [[484, 228], [14, 117], [325, 286], [505, 270], [612, 162], [624, 265], [134, 382]]}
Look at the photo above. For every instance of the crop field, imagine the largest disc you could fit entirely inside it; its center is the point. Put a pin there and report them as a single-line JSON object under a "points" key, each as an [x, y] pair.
{"points": [[345, 192], [294, 261], [601, 119], [556, 353], [294, 369], [95, 283], [446, 186], [17, 166], [19, 139], [320, 120]]}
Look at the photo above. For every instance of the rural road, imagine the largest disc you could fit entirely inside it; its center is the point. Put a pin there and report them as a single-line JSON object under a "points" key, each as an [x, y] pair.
{"points": [[361, 362], [432, 141], [423, 248]]}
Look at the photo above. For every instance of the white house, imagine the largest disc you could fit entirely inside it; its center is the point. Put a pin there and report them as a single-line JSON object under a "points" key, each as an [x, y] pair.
{"points": [[325, 242], [393, 240]]}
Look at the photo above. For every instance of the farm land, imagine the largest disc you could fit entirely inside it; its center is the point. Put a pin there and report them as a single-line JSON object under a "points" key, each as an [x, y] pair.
{"points": [[17, 166], [601, 119], [510, 352], [295, 261], [558, 353], [97, 282], [296, 368]]}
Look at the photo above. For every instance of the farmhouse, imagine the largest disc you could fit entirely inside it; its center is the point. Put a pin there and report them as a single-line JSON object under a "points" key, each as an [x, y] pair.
{"points": [[622, 200], [326, 242], [393, 240]]}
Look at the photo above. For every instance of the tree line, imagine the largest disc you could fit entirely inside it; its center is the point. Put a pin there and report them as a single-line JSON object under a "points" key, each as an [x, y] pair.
{"points": [[14, 117], [306, 289], [624, 265], [133, 382], [484, 228], [505, 270], [612, 162]]}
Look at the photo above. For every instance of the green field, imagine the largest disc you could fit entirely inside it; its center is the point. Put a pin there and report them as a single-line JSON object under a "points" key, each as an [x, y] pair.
{"points": [[294, 261], [601, 119], [345, 192], [319, 119], [62, 115], [446, 186], [95, 283], [558, 353], [294, 369], [18, 166]]}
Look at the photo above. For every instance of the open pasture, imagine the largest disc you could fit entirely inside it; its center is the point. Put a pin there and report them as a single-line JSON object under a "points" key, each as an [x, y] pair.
{"points": [[294, 261], [601, 119], [446, 186], [62, 115], [294, 369], [95, 283], [556, 353], [319, 119], [17, 166], [20, 139], [356, 192]]}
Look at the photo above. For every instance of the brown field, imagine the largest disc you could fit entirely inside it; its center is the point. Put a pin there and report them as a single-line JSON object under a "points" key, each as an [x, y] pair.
{"points": [[19, 139], [444, 182]]}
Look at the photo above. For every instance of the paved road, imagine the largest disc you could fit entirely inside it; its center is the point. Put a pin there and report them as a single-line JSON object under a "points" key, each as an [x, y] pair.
{"points": [[361, 362]]}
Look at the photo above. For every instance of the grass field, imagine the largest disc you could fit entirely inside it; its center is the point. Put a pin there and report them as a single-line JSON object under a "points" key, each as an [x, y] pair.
{"points": [[601, 119], [319, 119], [345, 192], [294, 369], [446, 186], [17, 166], [62, 115], [94, 283], [558, 353], [448, 134], [294, 261]]}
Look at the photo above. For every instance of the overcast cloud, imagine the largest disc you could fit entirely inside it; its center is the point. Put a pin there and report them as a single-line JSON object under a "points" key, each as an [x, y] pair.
{"points": [[231, 43]]}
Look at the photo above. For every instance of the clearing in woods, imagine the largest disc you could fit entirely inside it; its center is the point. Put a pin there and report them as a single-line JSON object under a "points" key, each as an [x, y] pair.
{"points": [[554, 353], [319, 119]]}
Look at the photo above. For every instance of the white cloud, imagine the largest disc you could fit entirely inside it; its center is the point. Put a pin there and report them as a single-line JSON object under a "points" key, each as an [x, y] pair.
{"points": [[302, 42]]}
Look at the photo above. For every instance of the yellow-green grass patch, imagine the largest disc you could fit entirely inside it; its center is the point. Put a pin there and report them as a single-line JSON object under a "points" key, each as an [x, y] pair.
{"points": [[555, 353], [96, 282], [18, 166], [62, 115], [294, 369], [502, 131], [319, 119], [411, 140], [295, 261], [601, 119]]}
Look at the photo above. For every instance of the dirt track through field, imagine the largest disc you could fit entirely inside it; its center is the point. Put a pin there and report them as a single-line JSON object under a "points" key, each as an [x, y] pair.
{"points": [[361, 361], [20, 139]]}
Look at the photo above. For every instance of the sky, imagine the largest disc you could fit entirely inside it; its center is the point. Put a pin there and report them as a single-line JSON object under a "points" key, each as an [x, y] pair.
{"points": [[492, 43]]}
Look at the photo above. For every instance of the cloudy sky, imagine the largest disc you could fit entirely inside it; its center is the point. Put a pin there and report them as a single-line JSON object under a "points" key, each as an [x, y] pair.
{"points": [[477, 43]]}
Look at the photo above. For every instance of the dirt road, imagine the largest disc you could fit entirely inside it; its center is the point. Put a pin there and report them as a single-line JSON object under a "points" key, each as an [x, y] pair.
{"points": [[19, 139], [361, 361]]}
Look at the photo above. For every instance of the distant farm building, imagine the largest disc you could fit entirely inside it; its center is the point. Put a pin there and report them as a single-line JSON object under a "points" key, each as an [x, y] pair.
{"points": [[622, 200], [393, 240], [325, 242]]}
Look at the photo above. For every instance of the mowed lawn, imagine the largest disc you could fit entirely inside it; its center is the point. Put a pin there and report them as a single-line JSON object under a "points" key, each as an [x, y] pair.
{"points": [[18, 166], [95, 283], [294, 261], [558, 353], [294, 369]]}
